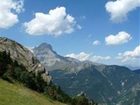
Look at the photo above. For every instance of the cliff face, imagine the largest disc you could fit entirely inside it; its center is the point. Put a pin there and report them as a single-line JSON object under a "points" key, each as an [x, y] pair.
{"points": [[53, 61], [24, 57]]}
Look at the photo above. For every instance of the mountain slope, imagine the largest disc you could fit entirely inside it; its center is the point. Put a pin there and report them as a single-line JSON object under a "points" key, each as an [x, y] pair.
{"points": [[137, 71], [107, 84], [17, 63], [23, 56], [17, 94], [104, 87], [53, 61]]}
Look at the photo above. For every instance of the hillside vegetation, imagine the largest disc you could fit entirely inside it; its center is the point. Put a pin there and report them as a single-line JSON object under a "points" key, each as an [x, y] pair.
{"points": [[13, 72], [17, 94]]}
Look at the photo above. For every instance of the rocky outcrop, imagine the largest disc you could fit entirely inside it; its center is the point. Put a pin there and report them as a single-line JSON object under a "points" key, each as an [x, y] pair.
{"points": [[53, 61], [24, 57]]}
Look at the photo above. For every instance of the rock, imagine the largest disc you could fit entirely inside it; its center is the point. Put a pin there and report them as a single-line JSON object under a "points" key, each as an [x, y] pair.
{"points": [[23, 56]]}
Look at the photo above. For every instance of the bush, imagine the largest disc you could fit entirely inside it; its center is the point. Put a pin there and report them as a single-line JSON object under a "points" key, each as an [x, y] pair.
{"points": [[82, 100]]}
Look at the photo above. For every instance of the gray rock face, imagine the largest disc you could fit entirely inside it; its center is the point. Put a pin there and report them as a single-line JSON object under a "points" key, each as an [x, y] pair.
{"points": [[52, 61], [45, 53], [23, 56]]}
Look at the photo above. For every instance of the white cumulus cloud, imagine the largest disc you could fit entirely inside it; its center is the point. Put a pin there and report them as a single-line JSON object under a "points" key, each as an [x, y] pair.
{"points": [[30, 48], [120, 38], [100, 58], [82, 56], [96, 42], [9, 10], [119, 9], [130, 55], [56, 23]]}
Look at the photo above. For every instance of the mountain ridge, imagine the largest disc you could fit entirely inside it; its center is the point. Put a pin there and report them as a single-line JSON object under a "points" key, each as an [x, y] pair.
{"points": [[137, 71], [23, 56], [17, 63], [104, 83], [56, 61]]}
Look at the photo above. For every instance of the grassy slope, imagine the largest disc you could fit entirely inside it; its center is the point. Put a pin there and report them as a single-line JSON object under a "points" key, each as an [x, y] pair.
{"points": [[16, 94]]}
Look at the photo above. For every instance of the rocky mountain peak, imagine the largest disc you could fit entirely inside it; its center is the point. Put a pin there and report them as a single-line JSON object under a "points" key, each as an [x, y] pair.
{"points": [[52, 61], [23, 56], [45, 53], [45, 46]]}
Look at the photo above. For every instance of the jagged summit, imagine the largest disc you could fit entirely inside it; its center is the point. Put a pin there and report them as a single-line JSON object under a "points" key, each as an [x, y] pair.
{"points": [[45, 45], [52, 61]]}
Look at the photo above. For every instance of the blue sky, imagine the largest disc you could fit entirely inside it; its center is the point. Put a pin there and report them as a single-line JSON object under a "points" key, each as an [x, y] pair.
{"points": [[93, 20]]}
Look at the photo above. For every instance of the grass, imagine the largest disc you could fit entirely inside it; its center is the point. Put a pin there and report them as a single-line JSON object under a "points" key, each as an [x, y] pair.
{"points": [[17, 94]]}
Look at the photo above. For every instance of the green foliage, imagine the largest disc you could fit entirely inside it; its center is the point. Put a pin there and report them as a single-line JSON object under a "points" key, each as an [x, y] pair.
{"points": [[17, 94], [12, 71], [57, 94], [29, 79], [82, 100]]}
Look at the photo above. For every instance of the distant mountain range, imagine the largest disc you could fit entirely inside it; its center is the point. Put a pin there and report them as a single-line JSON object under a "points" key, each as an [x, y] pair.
{"points": [[107, 84], [137, 71], [53, 61], [18, 64]]}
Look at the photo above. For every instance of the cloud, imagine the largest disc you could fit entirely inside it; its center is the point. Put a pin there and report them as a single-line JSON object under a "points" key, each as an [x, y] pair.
{"points": [[83, 17], [96, 42], [119, 9], [30, 48], [130, 55], [100, 58], [120, 38], [9, 10], [82, 56], [79, 27], [55, 23]]}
